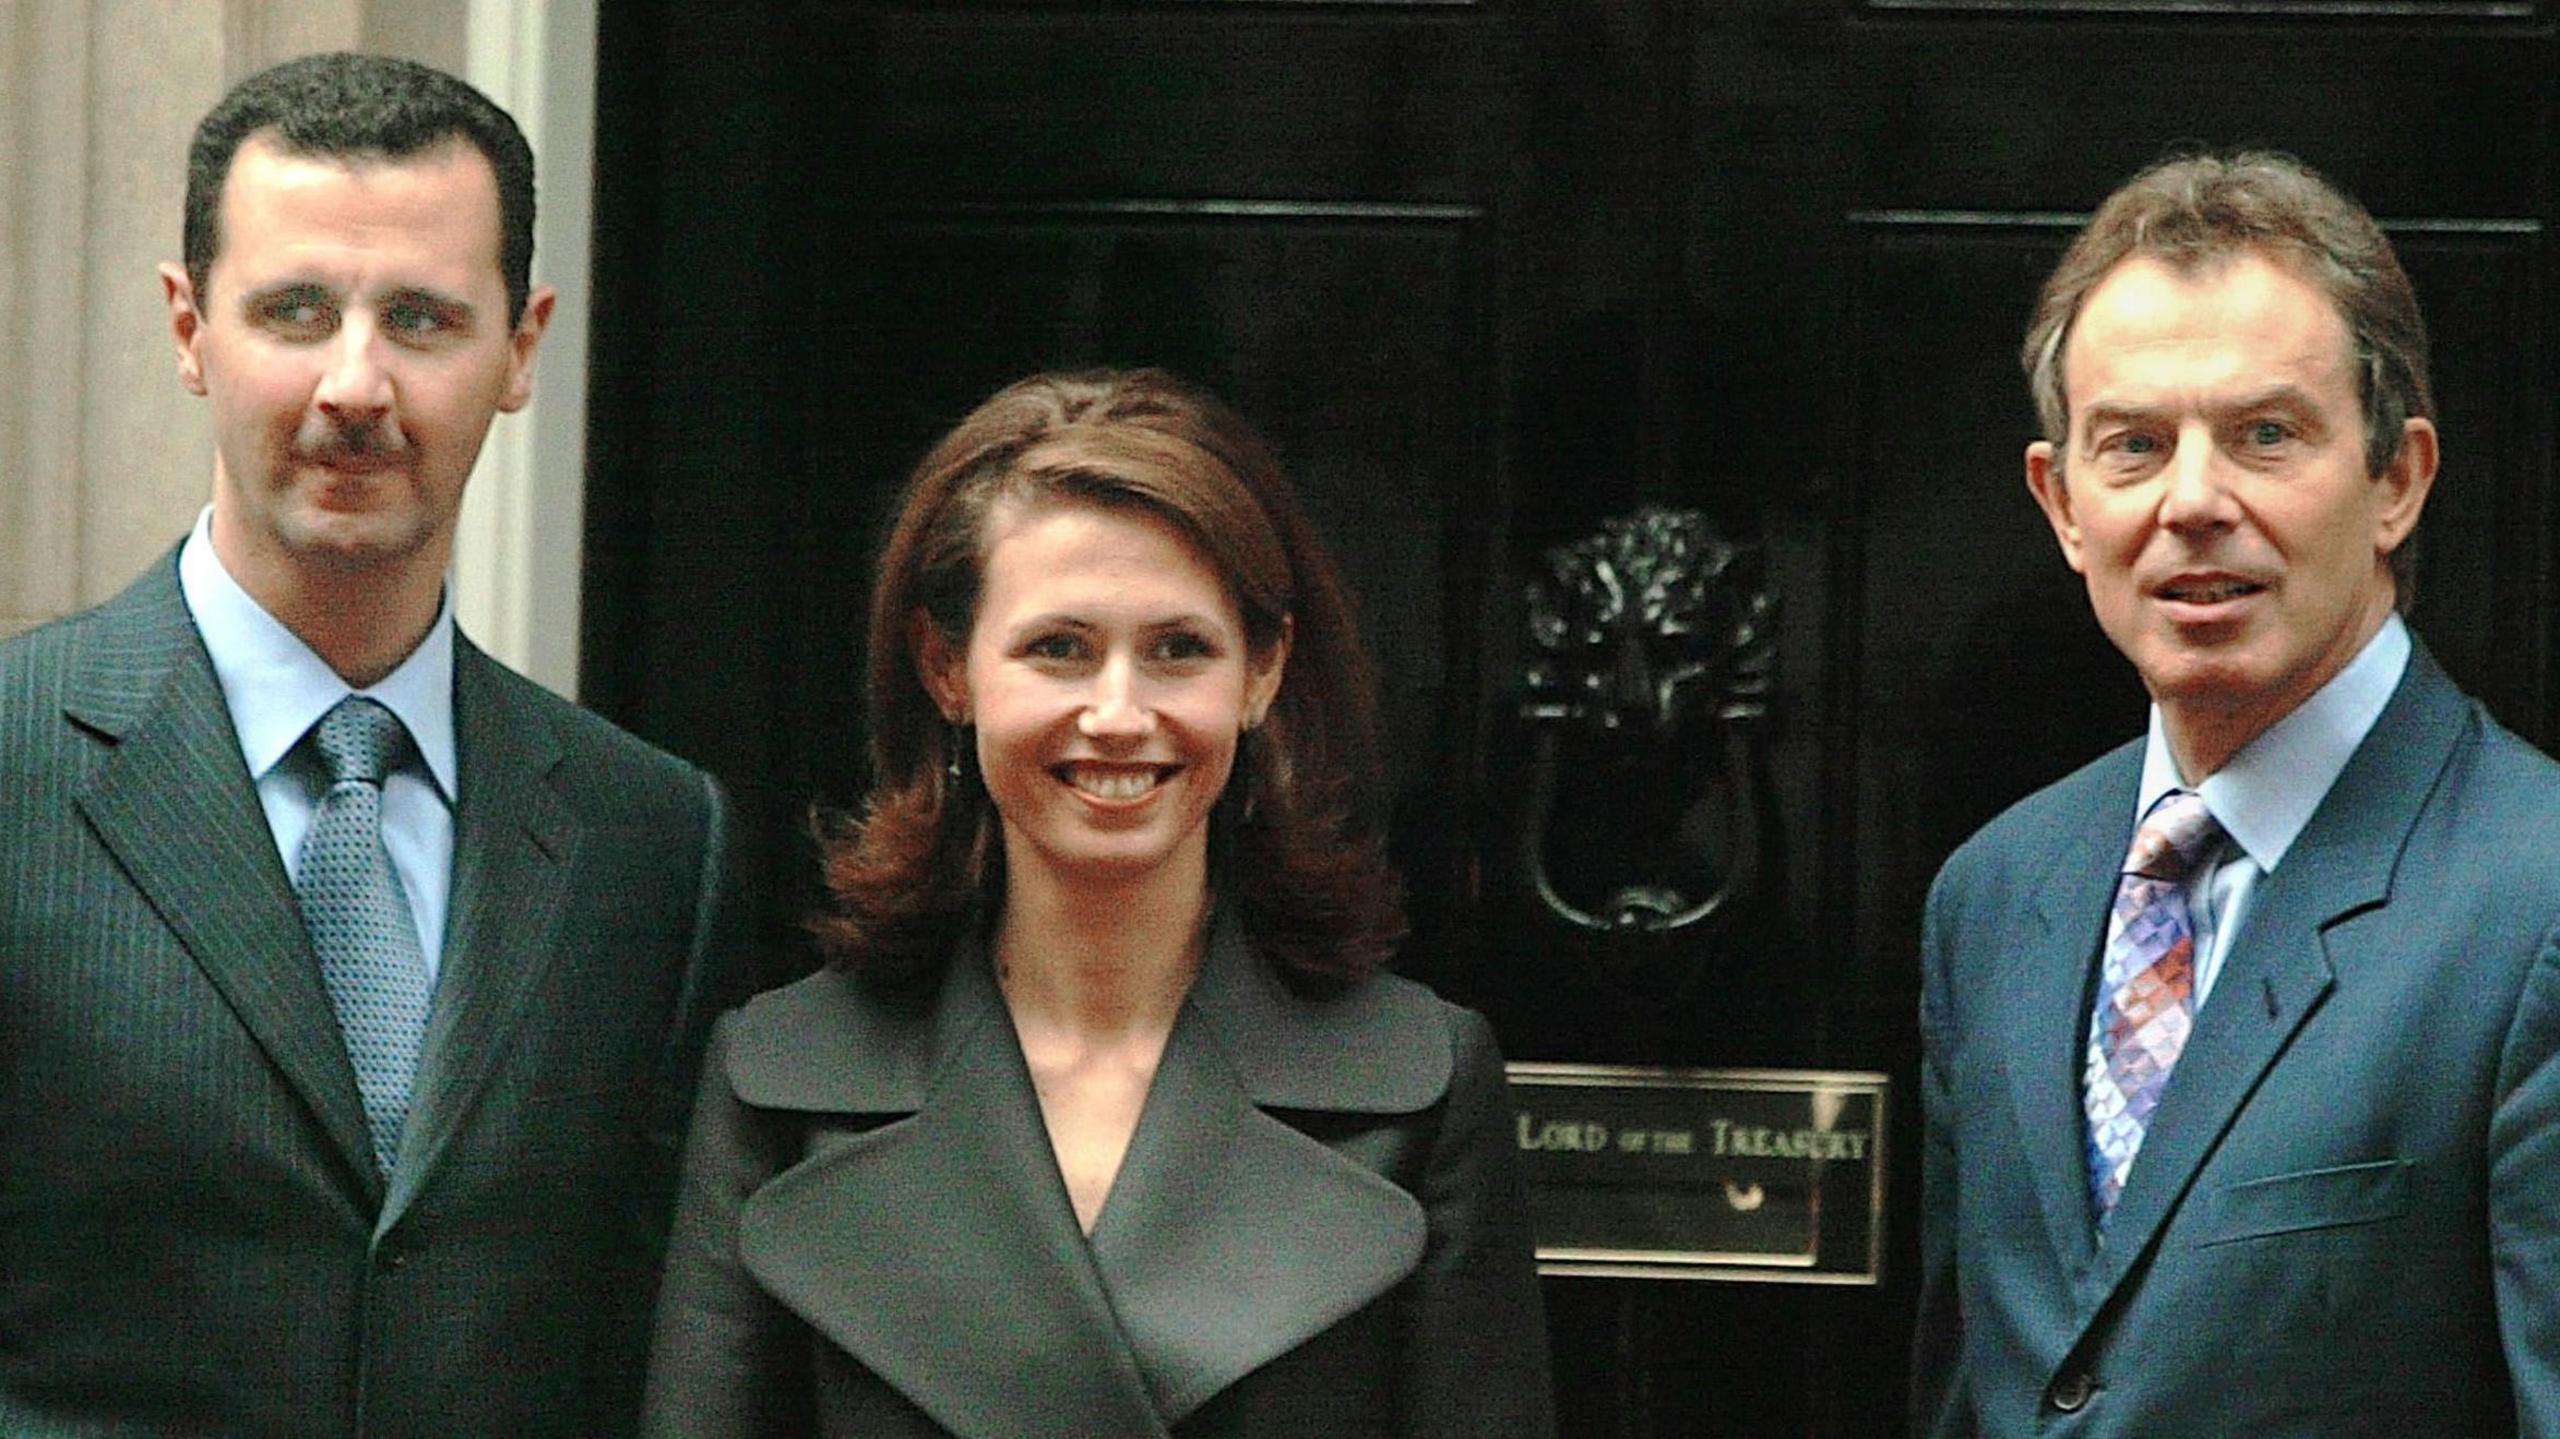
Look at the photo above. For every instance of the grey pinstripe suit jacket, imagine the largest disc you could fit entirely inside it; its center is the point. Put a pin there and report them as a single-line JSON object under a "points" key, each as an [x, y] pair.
{"points": [[192, 1239]]}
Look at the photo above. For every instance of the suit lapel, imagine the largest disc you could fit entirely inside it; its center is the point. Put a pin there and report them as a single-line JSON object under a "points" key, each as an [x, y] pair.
{"points": [[2273, 978], [177, 807], [2048, 988], [2280, 964], [514, 840], [1217, 1198], [951, 1221]]}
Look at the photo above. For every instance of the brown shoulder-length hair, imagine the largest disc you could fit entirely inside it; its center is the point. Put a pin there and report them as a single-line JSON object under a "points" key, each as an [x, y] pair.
{"points": [[1291, 852]]}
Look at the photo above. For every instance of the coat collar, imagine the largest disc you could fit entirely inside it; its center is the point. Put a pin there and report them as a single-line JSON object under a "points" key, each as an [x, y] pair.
{"points": [[2047, 988], [514, 841], [175, 804], [2284, 960], [955, 1208], [830, 1044]]}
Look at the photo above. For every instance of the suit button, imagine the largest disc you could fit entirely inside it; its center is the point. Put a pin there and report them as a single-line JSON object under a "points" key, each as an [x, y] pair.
{"points": [[391, 1257], [2070, 1392]]}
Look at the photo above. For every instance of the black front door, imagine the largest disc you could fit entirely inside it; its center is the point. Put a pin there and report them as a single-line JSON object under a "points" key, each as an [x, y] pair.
{"points": [[1492, 275]]}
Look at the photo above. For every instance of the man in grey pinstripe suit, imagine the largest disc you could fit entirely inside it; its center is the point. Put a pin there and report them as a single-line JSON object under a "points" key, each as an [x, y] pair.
{"points": [[197, 1235]]}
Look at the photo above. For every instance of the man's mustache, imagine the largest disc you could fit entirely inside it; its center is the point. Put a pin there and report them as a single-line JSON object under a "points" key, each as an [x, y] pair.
{"points": [[343, 444]]}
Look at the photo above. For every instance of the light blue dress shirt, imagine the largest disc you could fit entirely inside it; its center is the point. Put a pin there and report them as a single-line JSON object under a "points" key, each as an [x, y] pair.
{"points": [[2267, 792], [277, 688]]}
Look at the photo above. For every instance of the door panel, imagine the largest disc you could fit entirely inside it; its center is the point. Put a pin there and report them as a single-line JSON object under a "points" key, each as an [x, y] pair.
{"points": [[1490, 274]]}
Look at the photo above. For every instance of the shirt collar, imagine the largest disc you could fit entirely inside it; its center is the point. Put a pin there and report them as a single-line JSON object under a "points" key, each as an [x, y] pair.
{"points": [[277, 687], [2266, 793]]}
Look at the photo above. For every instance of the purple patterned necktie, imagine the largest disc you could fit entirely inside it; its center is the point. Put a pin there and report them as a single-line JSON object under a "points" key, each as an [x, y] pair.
{"points": [[2146, 989]]}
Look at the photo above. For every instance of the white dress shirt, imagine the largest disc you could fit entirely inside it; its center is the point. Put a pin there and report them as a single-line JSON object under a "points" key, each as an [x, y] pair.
{"points": [[277, 688], [2268, 791]]}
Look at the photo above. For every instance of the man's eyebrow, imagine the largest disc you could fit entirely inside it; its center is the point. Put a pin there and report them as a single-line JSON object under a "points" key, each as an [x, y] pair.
{"points": [[2285, 396], [289, 291], [2116, 413], [2281, 396], [452, 307]]}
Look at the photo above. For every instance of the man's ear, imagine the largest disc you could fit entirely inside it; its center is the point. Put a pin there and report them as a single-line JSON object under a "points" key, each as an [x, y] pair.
{"points": [[2404, 486], [1262, 686], [521, 347], [2053, 496], [186, 325], [943, 673]]}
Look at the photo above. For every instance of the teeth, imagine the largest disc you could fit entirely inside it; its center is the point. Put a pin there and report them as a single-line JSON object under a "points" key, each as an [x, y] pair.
{"points": [[1112, 784], [2210, 594]]}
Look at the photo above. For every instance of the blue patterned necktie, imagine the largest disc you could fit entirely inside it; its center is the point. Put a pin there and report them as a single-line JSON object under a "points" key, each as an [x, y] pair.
{"points": [[2146, 989], [359, 918]]}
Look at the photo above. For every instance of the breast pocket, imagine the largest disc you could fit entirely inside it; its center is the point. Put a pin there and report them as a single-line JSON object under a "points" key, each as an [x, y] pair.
{"points": [[2330, 1198]]}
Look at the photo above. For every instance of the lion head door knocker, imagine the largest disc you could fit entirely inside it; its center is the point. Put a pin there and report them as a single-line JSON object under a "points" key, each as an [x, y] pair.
{"points": [[1652, 647]]}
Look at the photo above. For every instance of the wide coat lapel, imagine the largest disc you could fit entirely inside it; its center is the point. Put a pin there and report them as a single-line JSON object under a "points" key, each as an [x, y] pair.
{"points": [[1231, 1238], [949, 1221], [2046, 988], [514, 840], [176, 805], [2280, 965]]}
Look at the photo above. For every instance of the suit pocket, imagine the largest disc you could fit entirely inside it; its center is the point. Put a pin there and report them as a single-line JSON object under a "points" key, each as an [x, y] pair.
{"points": [[2328, 1198]]}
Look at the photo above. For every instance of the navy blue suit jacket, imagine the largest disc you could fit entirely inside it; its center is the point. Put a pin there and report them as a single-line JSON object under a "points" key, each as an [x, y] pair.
{"points": [[2345, 1219]]}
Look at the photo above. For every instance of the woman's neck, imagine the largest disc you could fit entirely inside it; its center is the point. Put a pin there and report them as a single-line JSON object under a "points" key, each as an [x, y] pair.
{"points": [[1094, 977], [1100, 964]]}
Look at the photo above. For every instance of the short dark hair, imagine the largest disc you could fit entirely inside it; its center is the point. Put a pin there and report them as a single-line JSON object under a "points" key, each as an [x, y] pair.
{"points": [[2191, 211], [344, 106], [1305, 874]]}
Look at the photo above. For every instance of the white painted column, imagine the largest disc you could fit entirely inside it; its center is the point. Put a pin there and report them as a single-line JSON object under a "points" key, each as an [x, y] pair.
{"points": [[44, 167], [517, 558], [104, 460]]}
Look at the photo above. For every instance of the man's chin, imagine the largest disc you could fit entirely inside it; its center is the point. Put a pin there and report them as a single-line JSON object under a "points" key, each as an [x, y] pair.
{"points": [[345, 543], [2203, 682]]}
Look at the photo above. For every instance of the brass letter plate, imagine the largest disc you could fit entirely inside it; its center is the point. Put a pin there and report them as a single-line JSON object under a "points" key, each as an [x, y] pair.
{"points": [[1774, 1175]]}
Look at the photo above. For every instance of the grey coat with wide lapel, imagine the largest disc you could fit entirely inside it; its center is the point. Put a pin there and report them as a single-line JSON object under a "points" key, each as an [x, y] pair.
{"points": [[2345, 1219], [1317, 1228], [193, 1238]]}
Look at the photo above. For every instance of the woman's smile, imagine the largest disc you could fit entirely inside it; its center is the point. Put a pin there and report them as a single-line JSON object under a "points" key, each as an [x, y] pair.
{"points": [[1108, 676], [1114, 783]]}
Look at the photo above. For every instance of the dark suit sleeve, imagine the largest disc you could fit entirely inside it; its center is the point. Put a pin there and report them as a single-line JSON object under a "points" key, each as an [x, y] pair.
{"points": [[1476, 1356], [1941, 1396], [2524, 1198], [714, 977], [711, 951], [728, 1361]]}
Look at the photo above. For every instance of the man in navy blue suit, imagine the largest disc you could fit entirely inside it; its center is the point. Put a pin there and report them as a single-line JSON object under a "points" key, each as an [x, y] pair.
{"points": [[2243, 1105]]}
